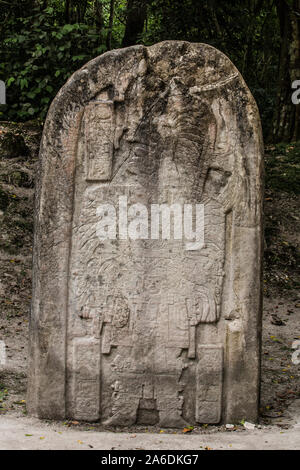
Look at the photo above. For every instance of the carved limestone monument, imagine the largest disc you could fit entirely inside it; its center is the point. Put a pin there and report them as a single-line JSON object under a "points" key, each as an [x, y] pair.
{"points": [[134, 322]]}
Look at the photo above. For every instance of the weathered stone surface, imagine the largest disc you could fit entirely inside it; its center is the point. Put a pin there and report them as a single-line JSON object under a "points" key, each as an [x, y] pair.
{"points": [[147, 331]]}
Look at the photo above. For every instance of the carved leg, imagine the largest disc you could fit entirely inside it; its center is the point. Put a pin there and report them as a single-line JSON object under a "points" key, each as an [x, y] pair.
{"points": [[124, 405], [170, 403]]}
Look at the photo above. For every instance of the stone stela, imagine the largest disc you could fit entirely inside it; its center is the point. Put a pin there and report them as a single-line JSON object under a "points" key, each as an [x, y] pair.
{"points": [[143, 331]]}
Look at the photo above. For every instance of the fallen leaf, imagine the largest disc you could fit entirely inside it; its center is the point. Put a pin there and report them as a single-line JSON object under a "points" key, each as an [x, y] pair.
{"points": [[188, 429]]}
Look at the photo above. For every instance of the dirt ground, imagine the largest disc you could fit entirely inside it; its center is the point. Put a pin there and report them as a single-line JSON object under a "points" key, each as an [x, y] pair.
{"points": [[280, 390]]}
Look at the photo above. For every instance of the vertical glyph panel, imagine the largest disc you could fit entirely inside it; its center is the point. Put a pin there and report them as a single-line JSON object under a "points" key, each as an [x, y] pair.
{"points": [[98, 127]]}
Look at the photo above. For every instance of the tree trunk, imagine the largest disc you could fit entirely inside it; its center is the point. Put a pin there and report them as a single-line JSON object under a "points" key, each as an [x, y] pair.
{"points": [[81, 6], [212, 8], [110, 24], [67, 11], [136, 16], [99, 21], [286, 124], [70, 13]]}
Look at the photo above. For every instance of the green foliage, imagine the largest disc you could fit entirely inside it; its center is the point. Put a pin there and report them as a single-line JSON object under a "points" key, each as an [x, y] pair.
{"points": [[38, 56], [44, 42]]}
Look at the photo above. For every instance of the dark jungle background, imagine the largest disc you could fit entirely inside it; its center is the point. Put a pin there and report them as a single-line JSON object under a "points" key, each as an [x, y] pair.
{"points": [[42, 42]]}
